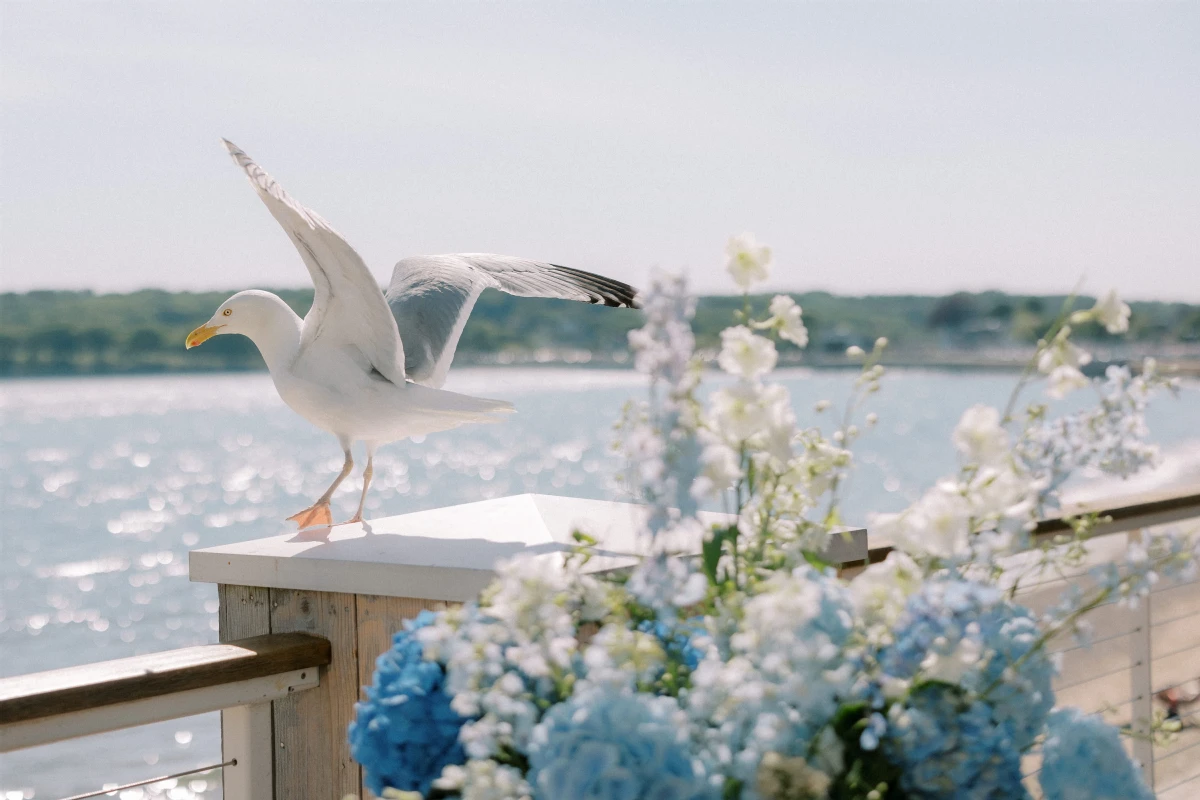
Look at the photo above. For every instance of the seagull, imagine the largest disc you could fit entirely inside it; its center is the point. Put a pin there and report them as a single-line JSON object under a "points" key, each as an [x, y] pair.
{"points": [[368, 366]]}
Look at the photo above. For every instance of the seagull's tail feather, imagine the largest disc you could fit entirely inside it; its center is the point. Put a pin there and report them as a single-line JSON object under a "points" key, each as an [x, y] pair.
{"points": [[439, 410]]}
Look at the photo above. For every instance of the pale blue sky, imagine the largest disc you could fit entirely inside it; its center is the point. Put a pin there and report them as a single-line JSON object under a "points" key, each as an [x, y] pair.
{"points": [[924, 148]]}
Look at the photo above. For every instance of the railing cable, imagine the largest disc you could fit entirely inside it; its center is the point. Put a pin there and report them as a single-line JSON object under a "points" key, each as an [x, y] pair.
{"points": [[101, 792]]}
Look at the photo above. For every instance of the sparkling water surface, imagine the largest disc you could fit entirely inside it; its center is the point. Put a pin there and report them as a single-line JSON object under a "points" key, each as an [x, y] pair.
{"points": [[109, 482]]}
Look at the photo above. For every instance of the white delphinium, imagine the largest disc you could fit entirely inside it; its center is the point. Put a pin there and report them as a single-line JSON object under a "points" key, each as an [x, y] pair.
{"points": [[979, 436], [483, 779], [664, 582], [662, 444], [745, 354], [1110, 438], [786, 320], [749, 262], [660, 438]]}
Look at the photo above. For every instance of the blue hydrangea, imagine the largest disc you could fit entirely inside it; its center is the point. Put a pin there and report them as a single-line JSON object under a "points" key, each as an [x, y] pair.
{"points": [[952, 748], [1083, 759], [677, 637], [405, 732], [955, 621], [606, 745]]}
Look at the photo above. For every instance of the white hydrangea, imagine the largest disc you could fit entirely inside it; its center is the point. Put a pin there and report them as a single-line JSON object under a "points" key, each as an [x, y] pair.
{"points": [[979, 436], [780, 683], [620, 658], [484, 779], [502, 657], [749, 262], [745, 354]]}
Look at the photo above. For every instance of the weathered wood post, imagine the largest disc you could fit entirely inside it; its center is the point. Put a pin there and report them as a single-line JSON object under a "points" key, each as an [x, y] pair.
{"points": [[356, 584]]}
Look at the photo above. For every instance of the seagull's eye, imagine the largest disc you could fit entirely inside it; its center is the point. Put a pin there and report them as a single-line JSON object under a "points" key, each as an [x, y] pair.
{"points": [[227, 311]]}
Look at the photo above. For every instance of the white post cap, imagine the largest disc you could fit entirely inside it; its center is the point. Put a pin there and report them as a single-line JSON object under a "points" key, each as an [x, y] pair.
{"points": [[446, 553]]}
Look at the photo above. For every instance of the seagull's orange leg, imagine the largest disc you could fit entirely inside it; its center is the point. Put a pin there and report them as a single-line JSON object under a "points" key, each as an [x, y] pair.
{"points": [[367, 474], [318, 513]]}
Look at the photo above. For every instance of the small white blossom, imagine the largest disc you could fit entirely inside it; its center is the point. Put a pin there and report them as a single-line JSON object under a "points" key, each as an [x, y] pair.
{"points": [[1064, 380], [720, 470], [1112, 313], [854, 351], [740, 412], [786, 320], [749, 262], [979, 436], [936, 525], [746, 354], [1062, 352]]}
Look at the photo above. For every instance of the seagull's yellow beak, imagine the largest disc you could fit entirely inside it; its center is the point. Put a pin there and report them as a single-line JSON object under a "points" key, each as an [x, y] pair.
{"points": [[202, 335]]}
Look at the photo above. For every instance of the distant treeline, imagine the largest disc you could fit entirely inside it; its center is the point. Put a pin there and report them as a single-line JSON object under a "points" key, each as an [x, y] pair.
{"points": [[60, 332]]}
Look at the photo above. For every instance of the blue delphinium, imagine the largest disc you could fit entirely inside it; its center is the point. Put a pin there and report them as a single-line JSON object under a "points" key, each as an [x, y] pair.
{"points": [[405, 732], [949, 746], [967, 634], [1082, 759], [605, 743]]}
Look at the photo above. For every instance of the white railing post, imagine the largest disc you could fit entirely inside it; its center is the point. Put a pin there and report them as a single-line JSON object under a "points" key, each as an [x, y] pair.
{"points": [[246, 739], [1141, 686]]}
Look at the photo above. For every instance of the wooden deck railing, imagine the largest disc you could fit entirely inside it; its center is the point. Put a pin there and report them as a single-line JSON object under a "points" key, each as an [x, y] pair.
{"points": [[240, 678], [304, 616]]}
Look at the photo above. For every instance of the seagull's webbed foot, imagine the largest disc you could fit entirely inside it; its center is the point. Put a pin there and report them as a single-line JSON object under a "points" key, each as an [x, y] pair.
{"points": [[315, 515]]}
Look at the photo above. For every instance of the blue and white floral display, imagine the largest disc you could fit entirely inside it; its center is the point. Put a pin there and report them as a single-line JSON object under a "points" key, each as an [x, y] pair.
{"points": [[754, 671]]}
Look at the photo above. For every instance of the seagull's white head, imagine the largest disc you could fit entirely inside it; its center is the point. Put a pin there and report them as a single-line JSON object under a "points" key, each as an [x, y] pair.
{"points": [[260, 315]]}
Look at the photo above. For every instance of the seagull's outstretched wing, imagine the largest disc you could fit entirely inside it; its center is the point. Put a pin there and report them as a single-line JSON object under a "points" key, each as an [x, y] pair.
{"points": [[432, 296], [348, 311]]}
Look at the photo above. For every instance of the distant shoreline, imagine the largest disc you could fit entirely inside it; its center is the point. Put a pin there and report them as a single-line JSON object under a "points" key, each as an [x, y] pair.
{"points": [[949, 362]]}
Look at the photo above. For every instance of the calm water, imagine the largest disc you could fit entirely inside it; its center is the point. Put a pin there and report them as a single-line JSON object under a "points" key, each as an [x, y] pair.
{"points": [[107, 483]]}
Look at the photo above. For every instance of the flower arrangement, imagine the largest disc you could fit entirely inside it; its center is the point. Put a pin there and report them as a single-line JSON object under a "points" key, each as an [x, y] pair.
{"points": [[748, 669]]}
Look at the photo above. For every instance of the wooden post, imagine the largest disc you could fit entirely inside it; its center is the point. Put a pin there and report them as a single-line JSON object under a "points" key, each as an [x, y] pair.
{"points": [[356, 584]]}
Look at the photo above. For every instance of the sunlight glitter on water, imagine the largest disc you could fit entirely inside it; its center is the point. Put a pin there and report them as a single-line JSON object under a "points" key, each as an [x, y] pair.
{"points": [[108, 483]]}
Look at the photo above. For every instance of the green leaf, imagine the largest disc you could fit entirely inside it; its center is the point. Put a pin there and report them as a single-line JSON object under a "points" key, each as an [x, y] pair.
{"points": [[711, 552]]}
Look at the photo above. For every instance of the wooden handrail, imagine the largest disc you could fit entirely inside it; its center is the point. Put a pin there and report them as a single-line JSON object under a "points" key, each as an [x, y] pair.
{"points": [[90, 686], [1136, 511]]}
